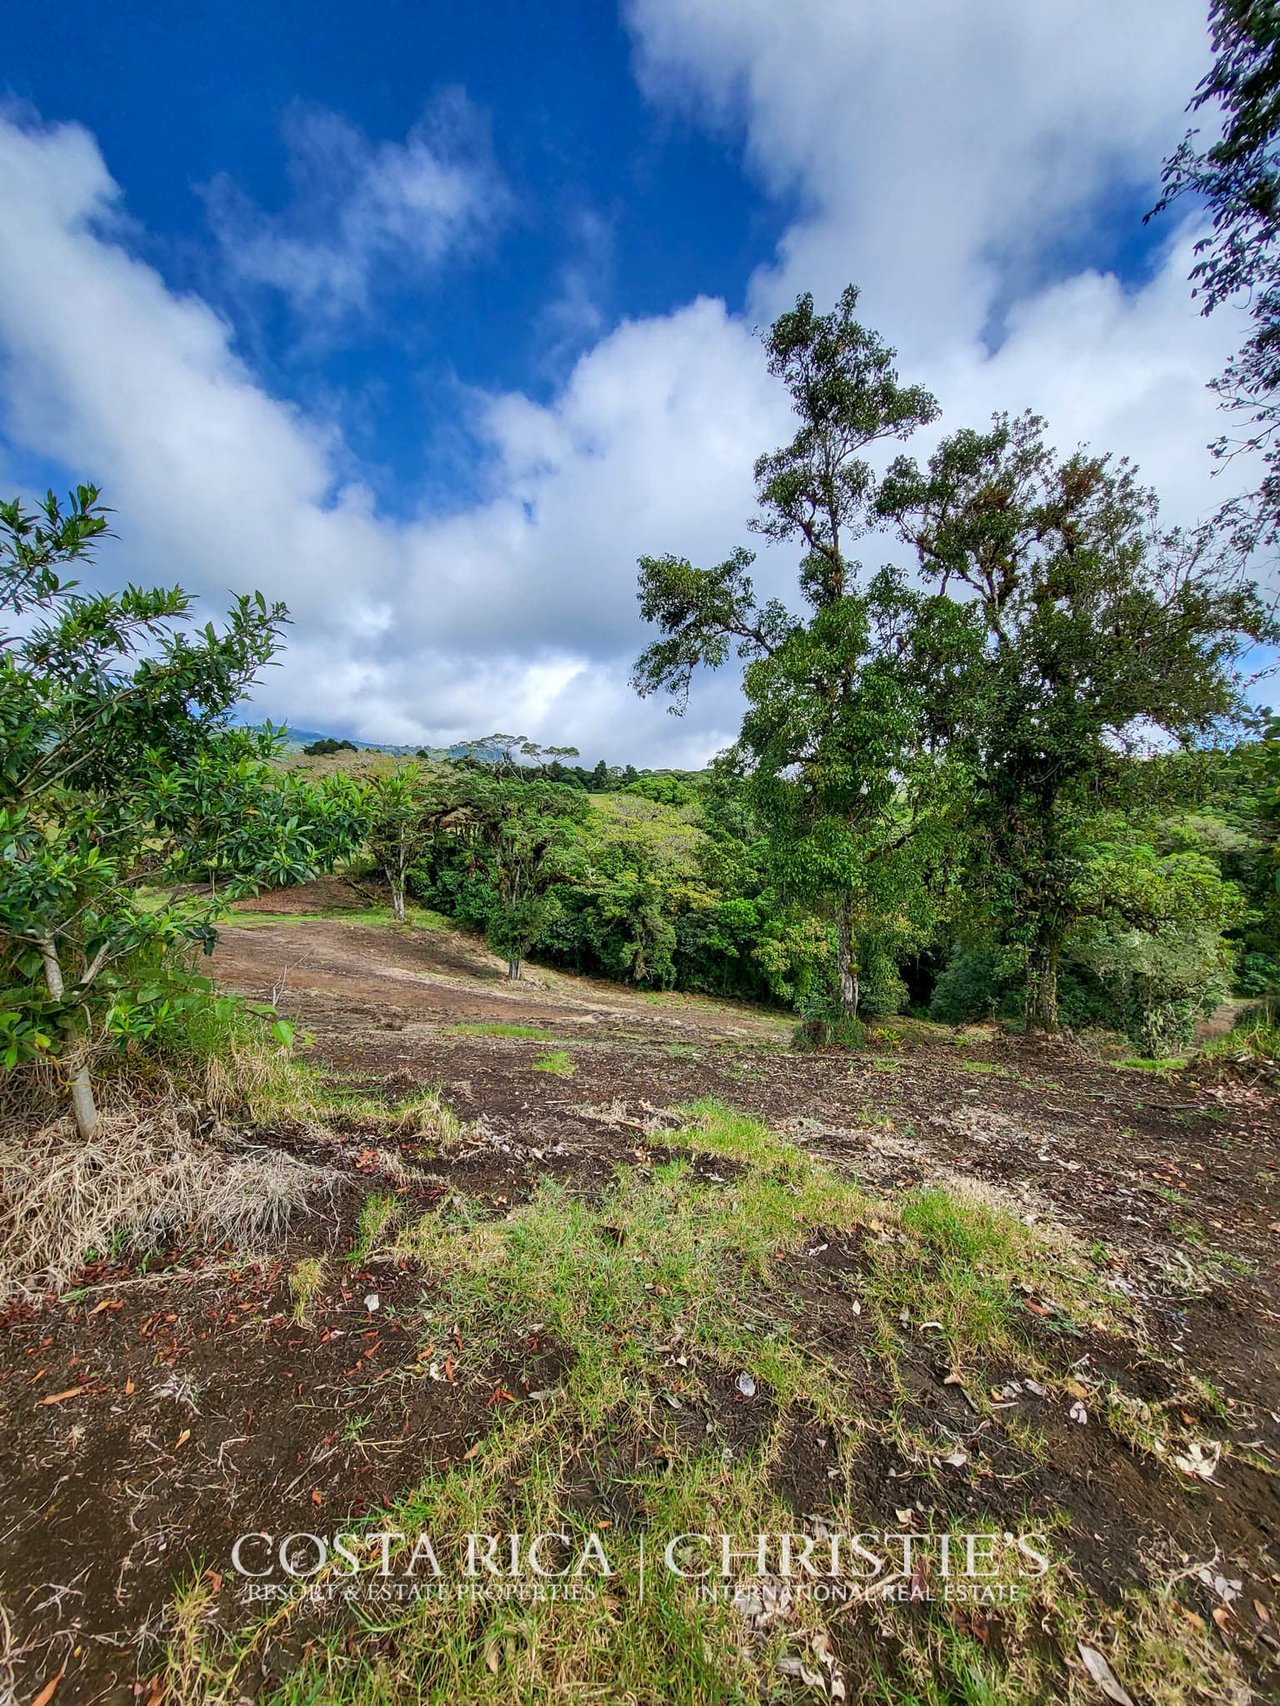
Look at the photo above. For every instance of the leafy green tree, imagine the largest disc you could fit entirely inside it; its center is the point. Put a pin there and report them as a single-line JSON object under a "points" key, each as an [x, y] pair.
{"points": [[113, 714], [230, 809], [838, 748], [1101, 635], [406, 809], [1238, 176], [529, 843]]}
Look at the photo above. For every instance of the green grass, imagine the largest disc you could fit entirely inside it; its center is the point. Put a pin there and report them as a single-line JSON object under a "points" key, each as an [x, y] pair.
{"points": [[558, 1063], [533, 1033], [657, 1286], [1146, 1063], [306, 1278], [416, 917]]}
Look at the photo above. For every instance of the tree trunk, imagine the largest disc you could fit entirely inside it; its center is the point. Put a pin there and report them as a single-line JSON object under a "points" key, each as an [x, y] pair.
{"points": [[397, 901], [847, 963], [1042, 983], [79, 1087], [513, 969]]}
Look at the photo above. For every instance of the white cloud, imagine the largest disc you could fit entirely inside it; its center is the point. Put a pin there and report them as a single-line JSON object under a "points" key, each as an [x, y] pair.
{"points": [[362, 209], [932, 147], [519, 613]]}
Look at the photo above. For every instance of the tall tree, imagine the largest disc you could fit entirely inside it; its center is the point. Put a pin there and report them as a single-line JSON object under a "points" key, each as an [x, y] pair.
{"points": [[1238, 175], [838, 742], [1102, 635]]}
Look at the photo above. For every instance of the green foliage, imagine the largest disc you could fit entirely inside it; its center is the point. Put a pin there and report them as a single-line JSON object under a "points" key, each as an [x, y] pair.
{"points": [[326, 745], [1237, 177], [1097, 632], [837, 749], [121, 784]]}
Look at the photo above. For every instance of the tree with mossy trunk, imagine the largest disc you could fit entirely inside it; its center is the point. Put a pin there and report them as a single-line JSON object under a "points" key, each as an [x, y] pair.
{"points": [[841, 746], [1103, 635], [114, 744]]}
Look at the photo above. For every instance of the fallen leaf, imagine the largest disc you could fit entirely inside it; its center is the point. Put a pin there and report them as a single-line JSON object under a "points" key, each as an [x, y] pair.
{"points": [[57, 1398], [46, 1693], [182, 1438], [1103, 1675], [1198, 1460]]}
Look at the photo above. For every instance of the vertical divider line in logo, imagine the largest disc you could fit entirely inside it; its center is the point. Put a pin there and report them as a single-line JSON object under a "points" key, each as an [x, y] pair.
{"points": [[641, 1566]]}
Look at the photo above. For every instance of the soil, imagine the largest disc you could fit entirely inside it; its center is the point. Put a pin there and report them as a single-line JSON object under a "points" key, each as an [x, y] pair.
{"points": [[150, 1417]]}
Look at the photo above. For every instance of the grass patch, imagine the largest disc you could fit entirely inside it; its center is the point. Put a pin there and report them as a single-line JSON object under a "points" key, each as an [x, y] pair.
{"points": [[558, 1063], [376, 917], [306, 1278], [532, 1033]]}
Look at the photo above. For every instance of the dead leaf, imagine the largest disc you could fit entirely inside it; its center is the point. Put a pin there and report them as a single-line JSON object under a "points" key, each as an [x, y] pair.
{"points": [[1103, 1675], [182, 1439], [1198, 1460], [46, 1693], [57, 1398]]}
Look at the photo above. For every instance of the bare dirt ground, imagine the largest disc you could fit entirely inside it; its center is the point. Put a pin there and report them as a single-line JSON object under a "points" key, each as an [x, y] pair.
{"points": [[150, 1418]]}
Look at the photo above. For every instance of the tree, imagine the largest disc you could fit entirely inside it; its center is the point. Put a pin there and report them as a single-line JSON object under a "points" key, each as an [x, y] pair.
{"points": [[406, 807], [1101, 635], [527, 840], [113, 727], [1238, 176], [838, 745]]}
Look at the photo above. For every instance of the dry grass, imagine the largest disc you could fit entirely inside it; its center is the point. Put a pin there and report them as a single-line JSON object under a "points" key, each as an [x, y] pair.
{"points": [[146, 1176]]}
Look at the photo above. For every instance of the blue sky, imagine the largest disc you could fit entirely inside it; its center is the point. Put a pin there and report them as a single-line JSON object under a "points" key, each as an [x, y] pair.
{"points": [[431, 318], [614, 208]]}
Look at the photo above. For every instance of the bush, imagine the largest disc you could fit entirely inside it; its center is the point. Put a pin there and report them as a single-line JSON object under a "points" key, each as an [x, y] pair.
{"points": [[322, 748], [829, 1033], [967, 989]]}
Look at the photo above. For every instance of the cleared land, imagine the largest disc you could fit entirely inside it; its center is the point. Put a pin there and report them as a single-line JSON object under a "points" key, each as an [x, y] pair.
{"points": [[663, 1274]]}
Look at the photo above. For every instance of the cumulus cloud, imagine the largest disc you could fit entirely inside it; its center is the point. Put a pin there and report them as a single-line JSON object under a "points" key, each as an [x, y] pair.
{"points": [[935, 154], [932, 149], [520, 611], [363, 210]]}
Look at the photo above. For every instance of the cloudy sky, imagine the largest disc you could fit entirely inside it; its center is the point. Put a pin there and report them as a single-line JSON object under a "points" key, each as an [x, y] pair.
{"points": [[429, 319]]}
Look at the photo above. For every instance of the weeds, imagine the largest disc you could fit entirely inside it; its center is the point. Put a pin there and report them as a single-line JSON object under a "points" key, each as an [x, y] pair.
{"points": [[306, 1278], [558, 1063]]}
